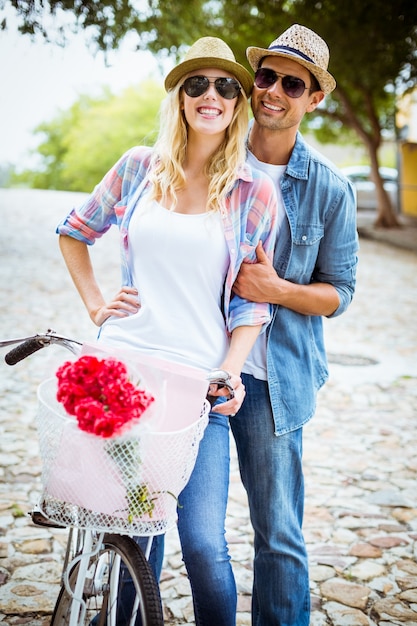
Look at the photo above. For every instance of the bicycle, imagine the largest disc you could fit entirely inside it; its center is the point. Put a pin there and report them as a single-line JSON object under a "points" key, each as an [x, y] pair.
{"points": [[106, 577]]}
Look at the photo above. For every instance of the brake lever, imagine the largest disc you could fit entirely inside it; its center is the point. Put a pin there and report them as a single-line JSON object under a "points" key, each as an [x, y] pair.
{"points": [[221, 379]]}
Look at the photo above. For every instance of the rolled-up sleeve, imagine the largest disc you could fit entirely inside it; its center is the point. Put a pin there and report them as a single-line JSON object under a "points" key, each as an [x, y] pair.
{"points": [[259, 224], [105, 206], [338, 255]]}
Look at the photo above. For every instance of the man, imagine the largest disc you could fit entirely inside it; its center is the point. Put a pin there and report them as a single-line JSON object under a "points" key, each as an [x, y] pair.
{"points": [[313, 275]]}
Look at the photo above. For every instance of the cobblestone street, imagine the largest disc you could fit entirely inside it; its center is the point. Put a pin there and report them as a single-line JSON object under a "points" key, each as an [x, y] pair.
{"points": [[360, 449]]}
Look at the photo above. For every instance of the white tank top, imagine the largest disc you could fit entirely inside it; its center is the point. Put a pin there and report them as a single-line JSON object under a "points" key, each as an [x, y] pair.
{"points": [[179, 264]]}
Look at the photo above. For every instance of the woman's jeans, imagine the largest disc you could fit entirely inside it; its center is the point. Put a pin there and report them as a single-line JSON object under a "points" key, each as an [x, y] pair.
{"points": [[271, 471], [201, 527]]}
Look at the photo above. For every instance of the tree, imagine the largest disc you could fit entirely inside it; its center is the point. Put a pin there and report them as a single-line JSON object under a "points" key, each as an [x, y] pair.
{"points": [[373, 48], [373, 55], [81, 144]]}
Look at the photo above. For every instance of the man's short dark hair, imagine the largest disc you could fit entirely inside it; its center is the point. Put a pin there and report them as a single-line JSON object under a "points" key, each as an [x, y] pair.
{"points": [[315, 85]]}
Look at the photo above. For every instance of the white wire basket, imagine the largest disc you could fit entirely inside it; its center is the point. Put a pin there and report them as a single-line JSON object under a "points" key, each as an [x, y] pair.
{"points": [[129, 484]]}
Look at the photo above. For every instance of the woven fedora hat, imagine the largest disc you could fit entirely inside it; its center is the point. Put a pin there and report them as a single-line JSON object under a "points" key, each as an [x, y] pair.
{"points": [[210, 52], [303, 46]]}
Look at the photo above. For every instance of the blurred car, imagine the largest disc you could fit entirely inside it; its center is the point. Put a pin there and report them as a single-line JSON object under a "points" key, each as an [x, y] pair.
{"points": [[360, 176]]}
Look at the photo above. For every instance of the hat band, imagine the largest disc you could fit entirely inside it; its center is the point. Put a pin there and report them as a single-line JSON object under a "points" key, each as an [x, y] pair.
{"points": [[296, 52]]}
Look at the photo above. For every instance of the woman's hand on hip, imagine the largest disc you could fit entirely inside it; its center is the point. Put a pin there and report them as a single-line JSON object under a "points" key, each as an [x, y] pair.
{"points": [[124, 303]]}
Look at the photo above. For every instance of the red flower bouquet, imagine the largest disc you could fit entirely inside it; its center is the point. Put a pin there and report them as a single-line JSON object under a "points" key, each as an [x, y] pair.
{"points": [[100, 395], [103, 400]]}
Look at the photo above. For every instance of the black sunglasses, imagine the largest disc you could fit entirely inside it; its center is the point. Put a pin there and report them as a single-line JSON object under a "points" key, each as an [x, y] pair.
{"points": [[294, 87], [195, 86]]}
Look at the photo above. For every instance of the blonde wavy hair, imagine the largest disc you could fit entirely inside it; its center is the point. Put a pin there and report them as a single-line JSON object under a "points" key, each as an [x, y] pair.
{"points": [[166, 168]]}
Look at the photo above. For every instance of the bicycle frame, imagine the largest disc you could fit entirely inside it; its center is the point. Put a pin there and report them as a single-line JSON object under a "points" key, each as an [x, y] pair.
{"points": [[78, 607]]}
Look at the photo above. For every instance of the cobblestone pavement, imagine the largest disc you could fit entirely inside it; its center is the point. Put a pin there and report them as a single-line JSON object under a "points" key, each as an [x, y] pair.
{"points": [[360, 449]]}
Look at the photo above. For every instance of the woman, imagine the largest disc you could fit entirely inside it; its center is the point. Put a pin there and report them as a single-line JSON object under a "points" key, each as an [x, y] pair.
{"points": [[189, 211]]}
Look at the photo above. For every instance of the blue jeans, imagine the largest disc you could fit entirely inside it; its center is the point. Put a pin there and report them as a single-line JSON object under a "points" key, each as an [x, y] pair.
{"points": [[271, 471], [201, 527]]}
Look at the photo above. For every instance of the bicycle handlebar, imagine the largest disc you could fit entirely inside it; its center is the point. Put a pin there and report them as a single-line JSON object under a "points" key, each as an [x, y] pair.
{"points": [[23, 350], [221, 379], [28, 345]]}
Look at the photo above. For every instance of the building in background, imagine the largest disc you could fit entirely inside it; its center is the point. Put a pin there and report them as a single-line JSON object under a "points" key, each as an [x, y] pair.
{"points": [[407, 132]]}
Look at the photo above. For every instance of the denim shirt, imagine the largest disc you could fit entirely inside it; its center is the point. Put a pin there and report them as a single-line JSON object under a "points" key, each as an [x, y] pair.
{"points": [[318, 242]]}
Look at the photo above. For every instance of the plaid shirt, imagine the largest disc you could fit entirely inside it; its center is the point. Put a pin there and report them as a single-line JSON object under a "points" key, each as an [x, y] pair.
{"points": [[249, 216]]}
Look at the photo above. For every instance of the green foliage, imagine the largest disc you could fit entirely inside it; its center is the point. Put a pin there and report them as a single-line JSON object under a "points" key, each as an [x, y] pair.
{"points": [[373, 44], [81, 144], [106, 22]]}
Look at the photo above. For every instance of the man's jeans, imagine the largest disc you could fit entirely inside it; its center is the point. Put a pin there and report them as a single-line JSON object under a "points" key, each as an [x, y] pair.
{"points": [[271, 470]]}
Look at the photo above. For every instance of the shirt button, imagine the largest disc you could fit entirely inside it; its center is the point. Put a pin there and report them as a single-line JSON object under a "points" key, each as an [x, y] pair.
{"points": [[304, 238]]}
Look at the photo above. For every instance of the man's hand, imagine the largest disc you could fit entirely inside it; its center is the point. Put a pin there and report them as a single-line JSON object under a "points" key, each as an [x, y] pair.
{"points": [[256, 280], [259, 282]]}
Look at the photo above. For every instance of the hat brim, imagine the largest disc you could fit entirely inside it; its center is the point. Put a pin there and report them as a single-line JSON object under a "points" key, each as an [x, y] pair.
{"points": [[241, 73], [325, 79]]}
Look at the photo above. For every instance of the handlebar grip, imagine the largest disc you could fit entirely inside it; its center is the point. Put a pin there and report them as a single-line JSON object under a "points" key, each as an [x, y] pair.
{"points": [[23, 350]]}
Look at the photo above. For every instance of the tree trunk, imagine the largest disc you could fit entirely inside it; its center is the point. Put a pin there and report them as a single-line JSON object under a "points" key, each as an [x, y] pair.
{"points": [[386, 217]]}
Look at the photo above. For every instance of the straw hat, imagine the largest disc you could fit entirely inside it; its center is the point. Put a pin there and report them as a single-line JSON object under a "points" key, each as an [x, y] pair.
{"points": [[210, 52], [302, 45]]}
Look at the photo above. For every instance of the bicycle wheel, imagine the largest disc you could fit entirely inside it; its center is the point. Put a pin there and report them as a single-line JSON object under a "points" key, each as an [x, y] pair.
{"points": [[119, 589]]}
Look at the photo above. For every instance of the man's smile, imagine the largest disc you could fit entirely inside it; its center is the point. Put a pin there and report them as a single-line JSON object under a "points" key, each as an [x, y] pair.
{"points": [[272, 107]]}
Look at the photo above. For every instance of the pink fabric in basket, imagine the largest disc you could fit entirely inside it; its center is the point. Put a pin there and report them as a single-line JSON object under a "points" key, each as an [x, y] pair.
{"points": [[80, 474], [179, 390]]}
